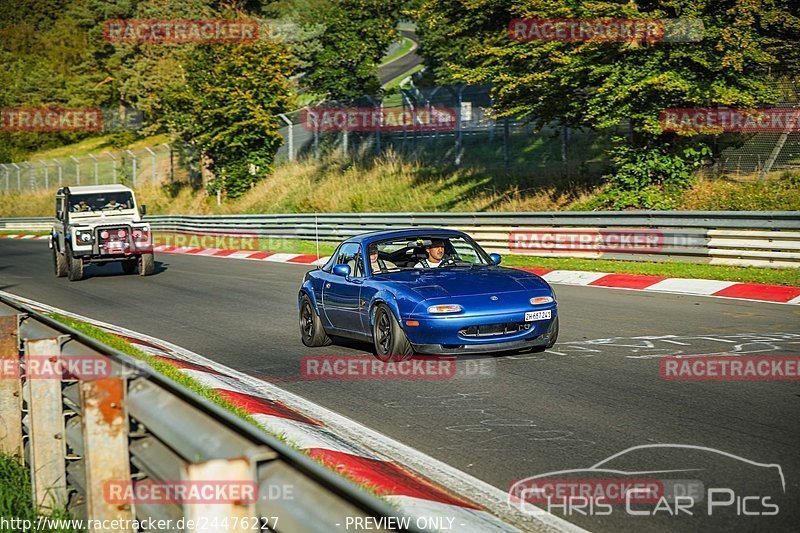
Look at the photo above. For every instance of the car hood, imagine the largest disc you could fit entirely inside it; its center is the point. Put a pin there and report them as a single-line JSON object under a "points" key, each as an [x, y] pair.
{"points": [[464, 281]]}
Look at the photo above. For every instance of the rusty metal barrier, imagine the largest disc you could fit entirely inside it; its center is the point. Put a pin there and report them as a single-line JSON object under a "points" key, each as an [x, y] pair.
{"points": [[91, 422]]}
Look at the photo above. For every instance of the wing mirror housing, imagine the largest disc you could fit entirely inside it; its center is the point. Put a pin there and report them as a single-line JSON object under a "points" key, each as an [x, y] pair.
{"points": [[496, 258], [143, 209], [342, 270]]}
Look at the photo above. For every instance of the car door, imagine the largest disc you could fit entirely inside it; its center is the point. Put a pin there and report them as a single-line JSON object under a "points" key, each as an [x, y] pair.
{"points": [[340, 295]]}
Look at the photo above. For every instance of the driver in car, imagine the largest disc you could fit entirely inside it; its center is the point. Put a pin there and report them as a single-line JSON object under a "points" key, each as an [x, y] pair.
{"points": [[377, 265], [435, 255], [112, 204]]}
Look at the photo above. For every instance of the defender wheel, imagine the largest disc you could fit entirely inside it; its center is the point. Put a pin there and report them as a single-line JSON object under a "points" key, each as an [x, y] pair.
{"points": [[311, 331], [129, 266], [388, 337], [74, 266], [59, 263], [147, 264]]}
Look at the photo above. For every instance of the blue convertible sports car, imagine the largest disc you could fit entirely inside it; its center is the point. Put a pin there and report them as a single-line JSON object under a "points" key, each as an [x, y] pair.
{"points": [[425, 290]]}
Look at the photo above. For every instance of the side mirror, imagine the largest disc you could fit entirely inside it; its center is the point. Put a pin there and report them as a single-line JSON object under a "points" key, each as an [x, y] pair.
{"points": [[342, 270], [143, 209], [496, 258]]}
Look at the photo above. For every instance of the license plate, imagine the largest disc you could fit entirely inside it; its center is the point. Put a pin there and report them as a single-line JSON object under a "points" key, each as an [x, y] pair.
{"points": [[532, 316]]}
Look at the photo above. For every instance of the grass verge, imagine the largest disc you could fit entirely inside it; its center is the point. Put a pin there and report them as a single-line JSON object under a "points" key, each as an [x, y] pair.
{"points": [[23, 232], [16, 500], [159, 366], [772, 276], [182, 379]]}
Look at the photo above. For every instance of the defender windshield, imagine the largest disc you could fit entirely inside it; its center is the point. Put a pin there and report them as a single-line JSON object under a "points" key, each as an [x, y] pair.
{"points": [[425, 251], [106, 201]]}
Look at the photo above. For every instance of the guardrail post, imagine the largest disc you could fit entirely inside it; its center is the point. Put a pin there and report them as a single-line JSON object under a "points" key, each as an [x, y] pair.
{"points": [[105, 445], [10, 389], [238, 514], [47, 432]]}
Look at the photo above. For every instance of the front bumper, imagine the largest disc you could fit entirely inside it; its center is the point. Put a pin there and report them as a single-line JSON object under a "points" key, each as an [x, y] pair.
{"points": [[444, 335], [507, 346]]}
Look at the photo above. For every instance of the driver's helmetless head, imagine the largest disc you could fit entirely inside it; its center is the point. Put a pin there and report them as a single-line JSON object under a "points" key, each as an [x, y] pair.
{"points": [[435, 250]]}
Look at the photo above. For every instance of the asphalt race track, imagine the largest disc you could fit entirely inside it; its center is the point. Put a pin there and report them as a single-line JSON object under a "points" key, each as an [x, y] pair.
{"points": [[597, 393]]}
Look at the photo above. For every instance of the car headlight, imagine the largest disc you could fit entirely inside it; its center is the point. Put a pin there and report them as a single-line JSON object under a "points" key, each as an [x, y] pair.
{"points": [[541, 300], [84, 236], [446, 308]]}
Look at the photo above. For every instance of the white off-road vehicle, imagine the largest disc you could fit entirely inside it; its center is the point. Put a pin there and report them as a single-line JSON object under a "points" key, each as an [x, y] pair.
{"points": [[98, 225]]}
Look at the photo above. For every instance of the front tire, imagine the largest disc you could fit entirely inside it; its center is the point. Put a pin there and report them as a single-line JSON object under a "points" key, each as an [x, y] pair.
{"points": [[388, 337], [553, 334], [311, 331], [59, 263], [74, 266], [147, 264]]}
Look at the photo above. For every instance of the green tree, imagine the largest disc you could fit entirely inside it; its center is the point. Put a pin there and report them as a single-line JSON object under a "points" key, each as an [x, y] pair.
{"points": [[228, 109], [600, 84], [341, 60]]}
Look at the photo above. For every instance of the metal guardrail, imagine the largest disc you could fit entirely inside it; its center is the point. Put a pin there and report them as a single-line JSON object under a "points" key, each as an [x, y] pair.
{"points": [[745, 238], [83, 431]]}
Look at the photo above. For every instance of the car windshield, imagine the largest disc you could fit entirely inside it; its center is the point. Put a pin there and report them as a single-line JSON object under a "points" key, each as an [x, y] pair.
{"points": [[106, 201], [425, 251]]}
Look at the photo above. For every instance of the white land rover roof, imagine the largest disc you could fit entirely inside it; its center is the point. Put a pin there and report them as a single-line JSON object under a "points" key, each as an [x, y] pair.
{"points": [[93, 189]]}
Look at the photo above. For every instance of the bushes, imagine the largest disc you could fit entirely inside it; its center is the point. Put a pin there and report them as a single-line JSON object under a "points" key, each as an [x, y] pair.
{"points": [[651, 177]]}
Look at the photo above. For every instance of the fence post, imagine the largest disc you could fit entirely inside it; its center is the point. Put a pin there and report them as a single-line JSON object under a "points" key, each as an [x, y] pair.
{"points": [[171, 163], [133, 166], [96, 177], [5, 171], [114, 164], [153, 160], [506, 162], [46, 175], [31, 175], [459, 138], [60, 172], [46, 426], [77, 168], [290, 136], [10, 389], [19, 176], [104, 428], [238, 470]]}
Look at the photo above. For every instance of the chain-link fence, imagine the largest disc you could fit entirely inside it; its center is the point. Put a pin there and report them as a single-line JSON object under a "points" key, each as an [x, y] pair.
{"points": [[409, 124], [163, 163]]}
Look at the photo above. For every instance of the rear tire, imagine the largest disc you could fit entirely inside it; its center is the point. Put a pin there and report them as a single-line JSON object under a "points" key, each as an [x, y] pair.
{"points": [[312, 333], [74, 266], [147, 264], [391, 343], [59, 263], [129, 266]]}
